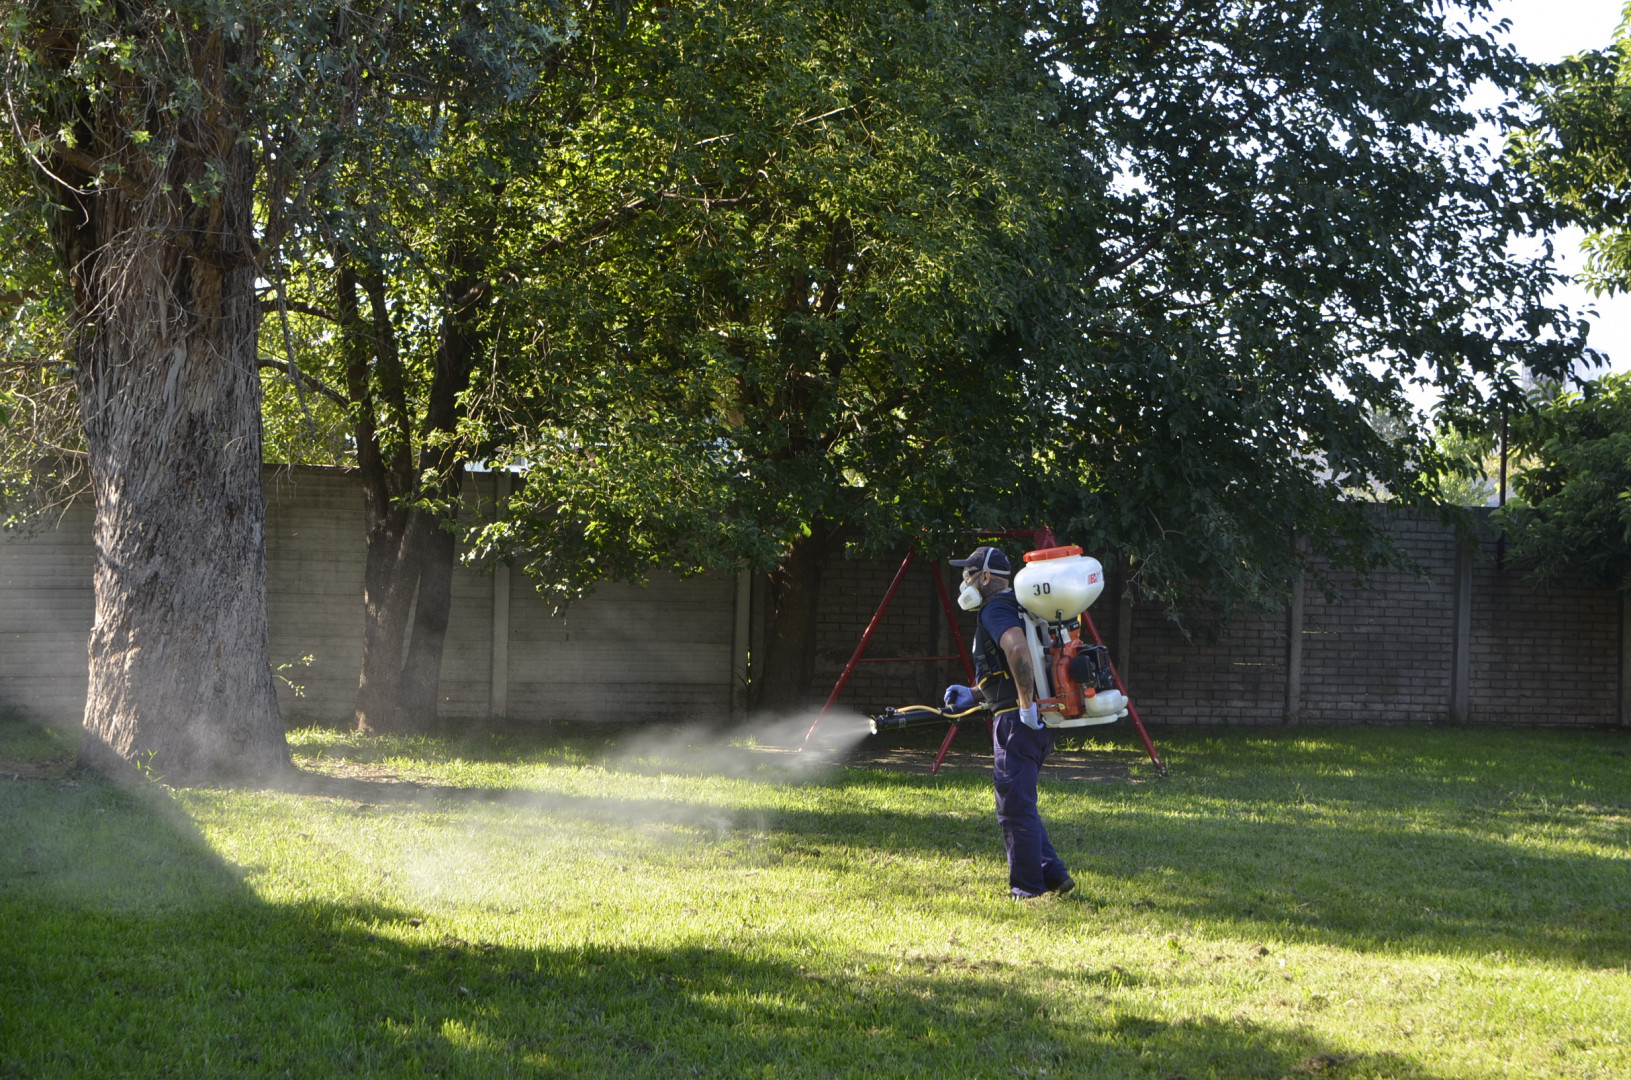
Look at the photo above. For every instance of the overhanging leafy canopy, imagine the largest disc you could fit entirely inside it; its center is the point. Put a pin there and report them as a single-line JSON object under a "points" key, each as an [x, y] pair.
{"points": [[1571, 520], [1300, 229]]}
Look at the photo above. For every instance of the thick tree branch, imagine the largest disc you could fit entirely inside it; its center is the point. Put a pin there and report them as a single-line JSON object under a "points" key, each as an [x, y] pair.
{"points": [[317, 311], [94, 169], [627, 212], [288, 367]]}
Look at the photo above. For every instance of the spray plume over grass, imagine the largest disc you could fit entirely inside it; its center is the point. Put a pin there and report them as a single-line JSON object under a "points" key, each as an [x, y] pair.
{"points": [[805, 745], [517, 821], [1335, 903]]}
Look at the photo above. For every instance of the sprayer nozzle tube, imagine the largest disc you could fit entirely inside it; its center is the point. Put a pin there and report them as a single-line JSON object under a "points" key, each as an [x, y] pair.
{"points": [[906, 719]]}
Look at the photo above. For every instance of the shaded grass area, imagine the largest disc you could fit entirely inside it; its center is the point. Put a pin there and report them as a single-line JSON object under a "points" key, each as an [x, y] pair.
{"points": [[1391, 902]]}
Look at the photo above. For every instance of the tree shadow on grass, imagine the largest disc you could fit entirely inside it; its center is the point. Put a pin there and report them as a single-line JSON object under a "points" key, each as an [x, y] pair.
{"points": [[1364, 888], [131, 949], [1358, 880]]}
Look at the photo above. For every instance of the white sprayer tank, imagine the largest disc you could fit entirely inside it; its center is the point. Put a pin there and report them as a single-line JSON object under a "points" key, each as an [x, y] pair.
{"points": [[1055, 588]]}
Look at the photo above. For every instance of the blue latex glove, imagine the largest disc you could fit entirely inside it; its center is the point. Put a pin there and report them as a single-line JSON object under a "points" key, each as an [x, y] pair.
{"points": [[1030, 716], [959, 698]]}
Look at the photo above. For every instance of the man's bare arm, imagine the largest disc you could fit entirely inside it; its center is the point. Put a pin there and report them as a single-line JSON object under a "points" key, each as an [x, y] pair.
{"points": [[1018, 652]]}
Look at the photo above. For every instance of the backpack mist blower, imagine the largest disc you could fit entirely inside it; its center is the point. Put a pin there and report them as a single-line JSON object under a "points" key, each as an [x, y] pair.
{"points": [[1075, 683]]}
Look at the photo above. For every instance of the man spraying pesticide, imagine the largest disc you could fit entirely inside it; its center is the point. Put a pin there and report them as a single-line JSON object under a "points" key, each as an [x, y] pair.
{"points": [[1033, 673]]}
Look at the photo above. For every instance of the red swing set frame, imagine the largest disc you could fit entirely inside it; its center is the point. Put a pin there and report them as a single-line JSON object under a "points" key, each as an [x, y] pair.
{"points": [[1039, 538]]}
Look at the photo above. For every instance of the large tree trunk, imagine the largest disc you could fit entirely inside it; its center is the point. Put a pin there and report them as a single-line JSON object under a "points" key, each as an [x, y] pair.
{"points": [[795, 591], [440, 457], [390, 578], [180, 680], [408, 581], [422, 671], [390, 560]]}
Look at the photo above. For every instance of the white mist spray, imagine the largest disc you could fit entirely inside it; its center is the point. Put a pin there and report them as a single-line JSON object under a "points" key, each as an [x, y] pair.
{"points": [[493, 849]]}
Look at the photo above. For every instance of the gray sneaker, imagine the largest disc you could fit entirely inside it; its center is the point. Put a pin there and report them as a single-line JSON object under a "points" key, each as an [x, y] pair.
{"points": [[1066, 884]]}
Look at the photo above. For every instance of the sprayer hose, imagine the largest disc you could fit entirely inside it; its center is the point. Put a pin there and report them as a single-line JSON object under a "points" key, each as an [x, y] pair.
{"points": [[941, 711]]}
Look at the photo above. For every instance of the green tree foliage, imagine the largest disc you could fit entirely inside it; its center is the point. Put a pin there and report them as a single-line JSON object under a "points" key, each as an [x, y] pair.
{"points": [[42, 456], [1298, 231], [397, 217], [790, 326], [1571, 519], [747, 284], [1471, 469], [1146, 272], [1574, 508], [1579, 147]]}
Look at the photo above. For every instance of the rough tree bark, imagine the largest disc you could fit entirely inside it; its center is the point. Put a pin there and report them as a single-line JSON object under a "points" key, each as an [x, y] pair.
{"points": [[162, 264]]}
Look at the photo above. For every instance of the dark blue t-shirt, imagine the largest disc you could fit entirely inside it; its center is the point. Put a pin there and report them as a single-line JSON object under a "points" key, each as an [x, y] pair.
{"points": [[997, 615]]}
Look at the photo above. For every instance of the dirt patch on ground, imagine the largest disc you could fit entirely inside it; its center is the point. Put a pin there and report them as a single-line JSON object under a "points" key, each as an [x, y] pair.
{"points": [[357, 770], [56, 769]]}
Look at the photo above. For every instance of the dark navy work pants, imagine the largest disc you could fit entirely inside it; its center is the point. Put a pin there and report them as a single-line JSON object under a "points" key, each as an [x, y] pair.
{"points": [[1018, 753]]}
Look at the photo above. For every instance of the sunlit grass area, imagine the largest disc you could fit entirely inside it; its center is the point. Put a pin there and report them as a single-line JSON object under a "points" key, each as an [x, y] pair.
{"points": [[1365, 902]]}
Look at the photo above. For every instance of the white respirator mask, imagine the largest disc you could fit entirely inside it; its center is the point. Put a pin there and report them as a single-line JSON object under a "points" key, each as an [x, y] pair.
{"points": [[969, 598]]}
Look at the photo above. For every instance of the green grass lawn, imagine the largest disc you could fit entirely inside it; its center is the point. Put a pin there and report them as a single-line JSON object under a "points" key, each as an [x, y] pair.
{"points": [[1371, 902]]}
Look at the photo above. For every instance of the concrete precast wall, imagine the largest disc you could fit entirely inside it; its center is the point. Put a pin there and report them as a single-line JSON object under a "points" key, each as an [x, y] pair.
{"points": [[1549, 657], [314, 556], [1468, 640], [46, 608], [661, 651]]}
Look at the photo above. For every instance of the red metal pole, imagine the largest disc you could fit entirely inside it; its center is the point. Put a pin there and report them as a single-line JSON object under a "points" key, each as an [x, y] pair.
{"points": [[877, 617], [1132, 710], [945, 745]]}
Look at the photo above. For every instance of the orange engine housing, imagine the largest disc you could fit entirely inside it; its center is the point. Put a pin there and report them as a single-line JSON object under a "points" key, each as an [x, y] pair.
{"points": [[1070, 697]]}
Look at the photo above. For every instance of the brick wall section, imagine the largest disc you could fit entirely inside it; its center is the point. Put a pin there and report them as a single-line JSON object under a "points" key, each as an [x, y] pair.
{"points": [[1180, 679], [1547, 656], [914, 625], [1382, 653], [1238, 679]]}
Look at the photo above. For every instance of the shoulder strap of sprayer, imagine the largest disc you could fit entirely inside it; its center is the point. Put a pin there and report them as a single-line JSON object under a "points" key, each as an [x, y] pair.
{"points": [[991, 665]]}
